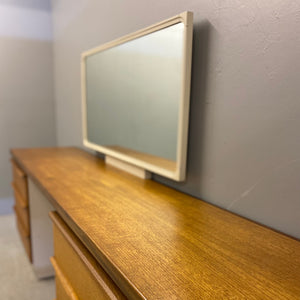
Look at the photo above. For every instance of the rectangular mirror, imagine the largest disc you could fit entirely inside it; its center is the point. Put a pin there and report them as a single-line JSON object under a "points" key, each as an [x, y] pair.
{"points": [[136, 97]]}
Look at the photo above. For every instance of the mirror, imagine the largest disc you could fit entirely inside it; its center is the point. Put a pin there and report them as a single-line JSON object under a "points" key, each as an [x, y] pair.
{"points": [[135, 97]]}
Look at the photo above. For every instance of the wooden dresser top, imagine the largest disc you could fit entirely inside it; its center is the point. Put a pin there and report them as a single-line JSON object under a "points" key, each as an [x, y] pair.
{"points": [[158, 243]]}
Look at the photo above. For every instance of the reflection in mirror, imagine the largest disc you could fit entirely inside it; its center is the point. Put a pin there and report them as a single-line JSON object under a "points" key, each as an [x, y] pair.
{"points": [[133, 93]]}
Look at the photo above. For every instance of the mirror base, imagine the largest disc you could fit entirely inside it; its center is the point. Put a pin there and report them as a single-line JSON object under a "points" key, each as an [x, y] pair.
{"points": [[129, 168]]}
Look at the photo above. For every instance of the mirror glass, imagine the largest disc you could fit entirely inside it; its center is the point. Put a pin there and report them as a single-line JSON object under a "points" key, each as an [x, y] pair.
{"points": [[133, 94]]}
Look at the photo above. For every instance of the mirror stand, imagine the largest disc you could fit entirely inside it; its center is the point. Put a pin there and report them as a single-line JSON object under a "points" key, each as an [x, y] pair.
{"points": [[127, 167]]}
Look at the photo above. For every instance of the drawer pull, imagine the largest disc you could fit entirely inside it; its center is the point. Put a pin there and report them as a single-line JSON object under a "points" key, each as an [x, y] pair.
{"points": [[63, 280]]}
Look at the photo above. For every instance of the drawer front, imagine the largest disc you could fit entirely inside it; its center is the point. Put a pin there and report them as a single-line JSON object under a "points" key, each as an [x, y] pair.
{"points": [[79, 267], [23, 216], [64, 290], [23, 202], [61, 293], [20, 181], [25, 239]]}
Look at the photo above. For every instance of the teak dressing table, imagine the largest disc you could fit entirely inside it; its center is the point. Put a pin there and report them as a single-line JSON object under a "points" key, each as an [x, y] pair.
{"points": [[121, 237]]}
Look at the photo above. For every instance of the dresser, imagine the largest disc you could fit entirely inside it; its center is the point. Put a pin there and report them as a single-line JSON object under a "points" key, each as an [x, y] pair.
{"points": [[120, 237]]}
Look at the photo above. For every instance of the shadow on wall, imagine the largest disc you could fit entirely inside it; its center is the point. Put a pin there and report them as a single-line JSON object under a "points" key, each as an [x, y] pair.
{"points": [[200, 62]]}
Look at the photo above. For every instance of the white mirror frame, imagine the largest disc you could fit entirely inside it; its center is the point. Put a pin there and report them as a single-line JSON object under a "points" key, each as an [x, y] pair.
{"points": [[181, 156]]}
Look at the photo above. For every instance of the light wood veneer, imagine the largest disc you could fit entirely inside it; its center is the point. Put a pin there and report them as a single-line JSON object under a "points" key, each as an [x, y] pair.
{"points": [[73, 263], [20, 181], [20, 188], [157, 243]]}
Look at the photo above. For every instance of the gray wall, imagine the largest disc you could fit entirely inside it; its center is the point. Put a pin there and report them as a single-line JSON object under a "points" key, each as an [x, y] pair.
{"points": [[245, 113], [26, 85]]}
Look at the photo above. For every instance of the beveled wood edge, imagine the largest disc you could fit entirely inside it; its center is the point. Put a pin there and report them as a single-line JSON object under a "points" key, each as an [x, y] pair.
{"points": [[60, 224], [120, 279], [124, 284], [23, 203], [64, 281]]}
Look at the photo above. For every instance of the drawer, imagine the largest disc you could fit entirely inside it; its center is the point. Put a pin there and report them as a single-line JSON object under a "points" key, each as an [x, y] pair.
{"points": [[23, 217], [25, 239], [20, 180], [23, 202], [76, 262], [64, 290]]}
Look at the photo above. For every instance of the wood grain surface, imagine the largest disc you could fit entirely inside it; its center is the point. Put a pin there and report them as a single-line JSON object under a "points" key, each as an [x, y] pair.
{"points": [[75, 262], [157, 243]]}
